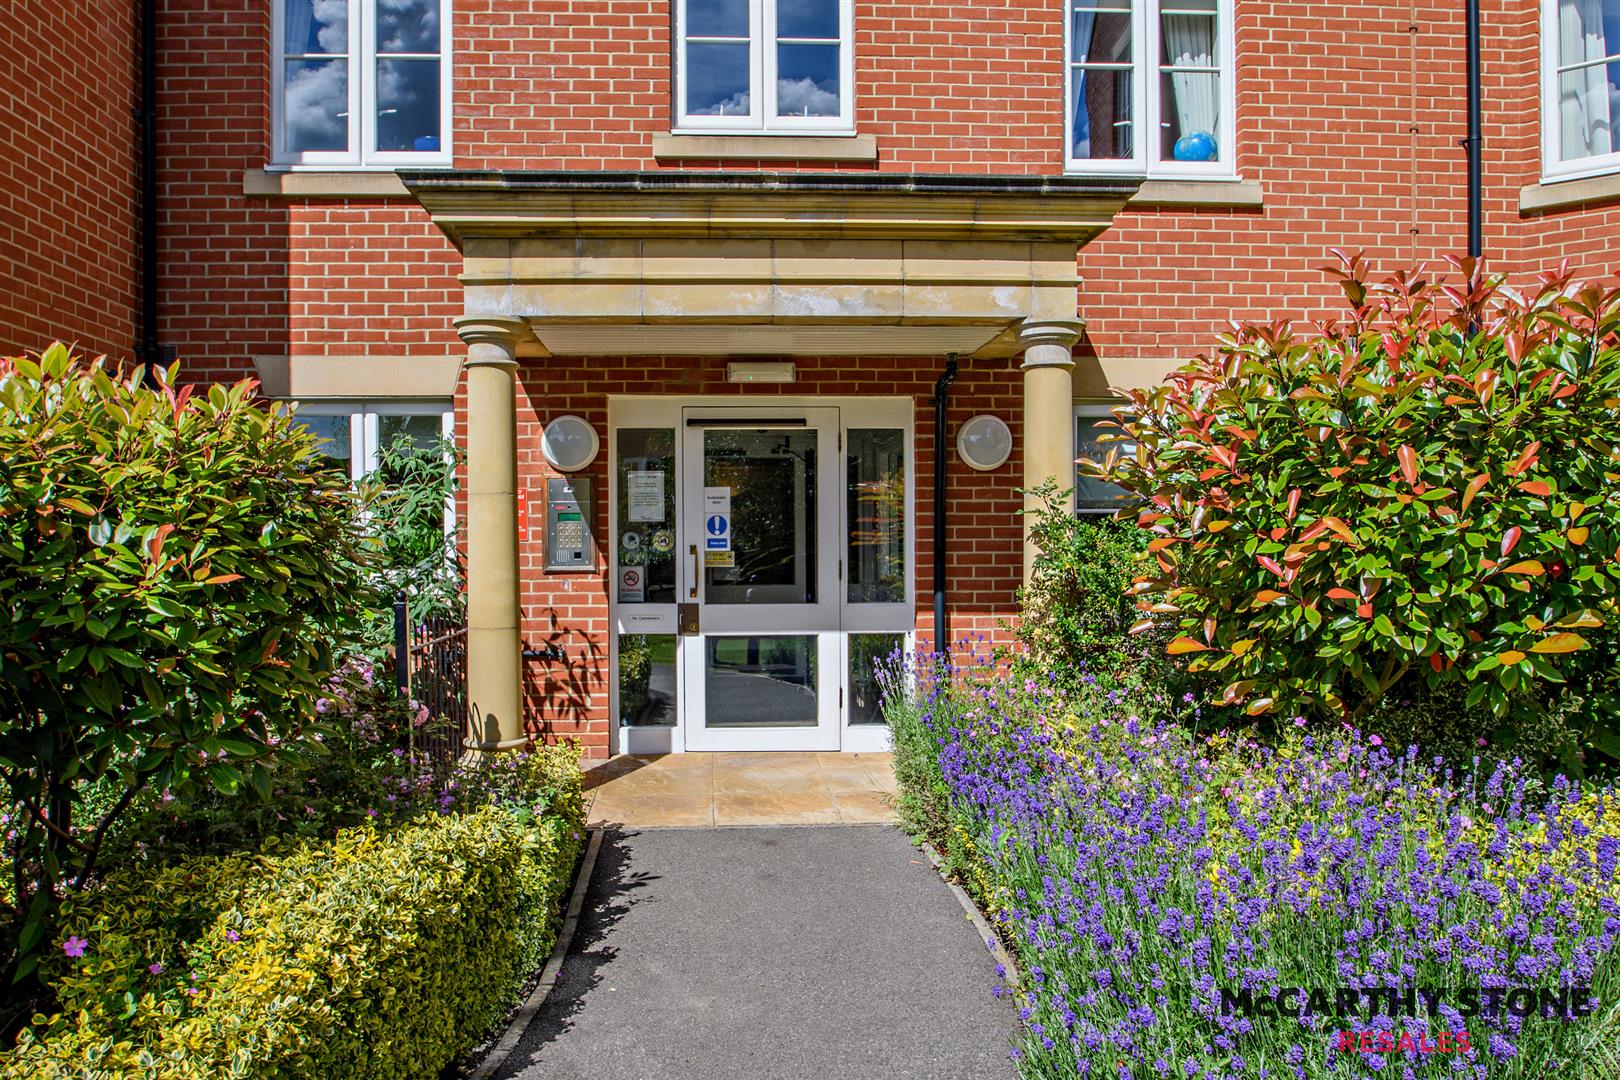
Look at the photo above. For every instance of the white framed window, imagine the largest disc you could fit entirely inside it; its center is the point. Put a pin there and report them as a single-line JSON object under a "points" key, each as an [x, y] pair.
{"points": [[355, 432], [360, 83], [764, 66], [1580, 87], [1149, 87], [1093, 496]]}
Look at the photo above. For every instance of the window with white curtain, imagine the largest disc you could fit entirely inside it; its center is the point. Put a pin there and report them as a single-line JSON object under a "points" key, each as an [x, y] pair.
{"points": [[1150, 87], [1580, 87], [765, 66], [360, 83]]}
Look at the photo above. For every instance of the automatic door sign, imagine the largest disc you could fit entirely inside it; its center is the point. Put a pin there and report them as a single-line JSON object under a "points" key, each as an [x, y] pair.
{"points": [[717, 519], [632, 585]]}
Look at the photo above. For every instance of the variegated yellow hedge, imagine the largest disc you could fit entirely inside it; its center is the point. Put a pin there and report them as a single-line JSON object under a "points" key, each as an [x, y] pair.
{"points": [[377, 954]]}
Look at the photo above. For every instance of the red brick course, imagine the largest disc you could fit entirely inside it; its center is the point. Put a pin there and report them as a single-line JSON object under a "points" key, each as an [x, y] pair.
{"points": [[67, 176]]}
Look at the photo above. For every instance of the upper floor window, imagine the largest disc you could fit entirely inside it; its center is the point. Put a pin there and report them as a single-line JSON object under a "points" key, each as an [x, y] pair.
{"points": [[1580, 87], [361, 82], [1150, 87], [764, 65]]}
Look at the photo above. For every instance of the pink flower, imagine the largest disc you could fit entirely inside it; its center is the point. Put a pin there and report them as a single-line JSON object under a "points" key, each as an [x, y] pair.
{"points": [[156, 969], [232, 935], [1299, 721], [1376, 741], [74, 946]]}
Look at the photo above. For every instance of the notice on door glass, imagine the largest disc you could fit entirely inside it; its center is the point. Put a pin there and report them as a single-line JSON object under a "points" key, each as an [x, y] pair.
{"points": [[716, 519], [632, 585], [645, 493]]}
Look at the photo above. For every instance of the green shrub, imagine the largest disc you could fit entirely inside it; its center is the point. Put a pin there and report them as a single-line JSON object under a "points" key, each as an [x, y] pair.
{"points": [[1421, 495], [414, 556], [382, 953], [1077, 610], [175, 570]]}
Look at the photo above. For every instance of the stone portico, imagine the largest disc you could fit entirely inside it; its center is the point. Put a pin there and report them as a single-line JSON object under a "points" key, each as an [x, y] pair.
{"points": [[780, 265]]}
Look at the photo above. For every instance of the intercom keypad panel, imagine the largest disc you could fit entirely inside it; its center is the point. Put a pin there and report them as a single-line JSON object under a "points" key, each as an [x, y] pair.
{"points": [[568, 533]]}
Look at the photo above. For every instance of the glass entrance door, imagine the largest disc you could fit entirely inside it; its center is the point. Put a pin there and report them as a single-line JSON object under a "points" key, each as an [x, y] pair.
{"points": [[761, 655]]}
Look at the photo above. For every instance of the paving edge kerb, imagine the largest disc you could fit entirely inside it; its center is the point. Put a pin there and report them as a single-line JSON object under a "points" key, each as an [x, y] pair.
{"points": [[987, 934], [548, 976]]}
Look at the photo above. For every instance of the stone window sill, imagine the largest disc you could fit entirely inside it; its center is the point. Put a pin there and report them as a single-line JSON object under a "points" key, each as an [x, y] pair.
{"points": [[1569, 194], [765, 147], [1229, 194], [358, 184]]}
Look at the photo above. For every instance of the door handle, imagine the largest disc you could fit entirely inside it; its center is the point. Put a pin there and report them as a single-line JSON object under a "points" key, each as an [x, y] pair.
{"points": [[691, 593]]}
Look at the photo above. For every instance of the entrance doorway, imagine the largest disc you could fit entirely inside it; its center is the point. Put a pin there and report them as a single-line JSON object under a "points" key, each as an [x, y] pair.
{"points": [[763, 560]]}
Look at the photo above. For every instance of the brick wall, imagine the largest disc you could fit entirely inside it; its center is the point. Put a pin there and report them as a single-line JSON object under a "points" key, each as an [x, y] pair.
{"points": [[1348, 116], [571, 609], [67, 175]]}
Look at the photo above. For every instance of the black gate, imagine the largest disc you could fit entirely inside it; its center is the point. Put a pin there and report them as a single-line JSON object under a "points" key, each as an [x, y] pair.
{"points": [[430, 668]]}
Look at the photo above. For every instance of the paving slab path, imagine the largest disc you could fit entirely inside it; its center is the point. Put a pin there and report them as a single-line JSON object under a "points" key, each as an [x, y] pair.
{"points": [[777, 953]]}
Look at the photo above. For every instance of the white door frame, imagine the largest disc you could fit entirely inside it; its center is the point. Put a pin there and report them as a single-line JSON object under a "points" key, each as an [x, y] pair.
{"points": [[667, 411]]}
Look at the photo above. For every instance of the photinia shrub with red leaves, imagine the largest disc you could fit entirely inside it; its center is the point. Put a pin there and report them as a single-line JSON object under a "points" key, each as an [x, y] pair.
{"points": [[1424, 492]]}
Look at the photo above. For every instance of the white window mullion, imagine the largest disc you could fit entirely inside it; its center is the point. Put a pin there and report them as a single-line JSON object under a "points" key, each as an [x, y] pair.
{"points": [[1145, 92], [762, 57], [363, 79]]}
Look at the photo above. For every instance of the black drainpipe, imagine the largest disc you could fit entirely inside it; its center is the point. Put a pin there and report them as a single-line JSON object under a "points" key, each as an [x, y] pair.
{"points": [[942, 400], [1473, 142], [146, 115]]}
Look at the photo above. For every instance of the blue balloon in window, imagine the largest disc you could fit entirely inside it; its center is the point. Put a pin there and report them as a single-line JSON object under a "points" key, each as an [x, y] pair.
{"points": [[1196, 146], [429, 142]]}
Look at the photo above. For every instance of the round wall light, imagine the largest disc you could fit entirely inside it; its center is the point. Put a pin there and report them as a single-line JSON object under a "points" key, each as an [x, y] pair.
{"points": [[984, 442], [569, 443]]}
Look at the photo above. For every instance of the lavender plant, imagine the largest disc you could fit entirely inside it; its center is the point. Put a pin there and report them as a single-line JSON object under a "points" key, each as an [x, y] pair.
{"points": [[1160, 891]]}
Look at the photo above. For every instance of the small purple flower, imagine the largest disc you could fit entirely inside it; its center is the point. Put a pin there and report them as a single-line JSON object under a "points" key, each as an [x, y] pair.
{"points": [[156, 969], [74, 946], [232, 935]]}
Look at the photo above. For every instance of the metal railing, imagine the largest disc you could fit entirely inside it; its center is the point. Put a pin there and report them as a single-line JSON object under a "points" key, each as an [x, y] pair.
{"points": [[430, 669]]}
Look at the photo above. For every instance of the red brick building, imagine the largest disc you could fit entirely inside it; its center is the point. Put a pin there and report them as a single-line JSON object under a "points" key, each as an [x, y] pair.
{"points": [[717, 253]]}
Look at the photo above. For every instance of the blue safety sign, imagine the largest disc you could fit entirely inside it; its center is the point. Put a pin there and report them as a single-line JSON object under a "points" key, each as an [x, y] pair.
{"points": [[717, 519]]}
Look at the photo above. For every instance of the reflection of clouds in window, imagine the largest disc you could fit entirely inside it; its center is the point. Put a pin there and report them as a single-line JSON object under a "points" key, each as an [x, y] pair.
{"points": [[333, 15], [408, 26], [802, 97], [315, 26], [717, 79], [316, 99], [407, 104]]}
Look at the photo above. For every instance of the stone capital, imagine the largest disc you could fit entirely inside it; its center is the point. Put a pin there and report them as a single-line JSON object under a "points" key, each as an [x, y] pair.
{"points": [[491, 339], [1049, 343]]}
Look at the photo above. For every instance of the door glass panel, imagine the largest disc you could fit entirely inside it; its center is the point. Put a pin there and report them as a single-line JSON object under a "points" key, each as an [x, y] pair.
{"points": [[760, 681], [771, 477], [647, 680], [876, 478], [646, 510], [867, 653]]}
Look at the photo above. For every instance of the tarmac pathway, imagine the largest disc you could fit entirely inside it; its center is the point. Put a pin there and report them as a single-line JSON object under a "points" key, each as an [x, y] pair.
{"points": [[824, 953]]}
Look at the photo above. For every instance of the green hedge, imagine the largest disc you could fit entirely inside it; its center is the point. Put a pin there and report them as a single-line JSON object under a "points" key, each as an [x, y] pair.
{"points": [[376, 954]]}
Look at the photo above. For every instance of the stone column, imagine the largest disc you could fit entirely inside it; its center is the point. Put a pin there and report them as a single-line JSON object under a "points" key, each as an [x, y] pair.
{"points": [[1048, 412], [494, 648]]}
